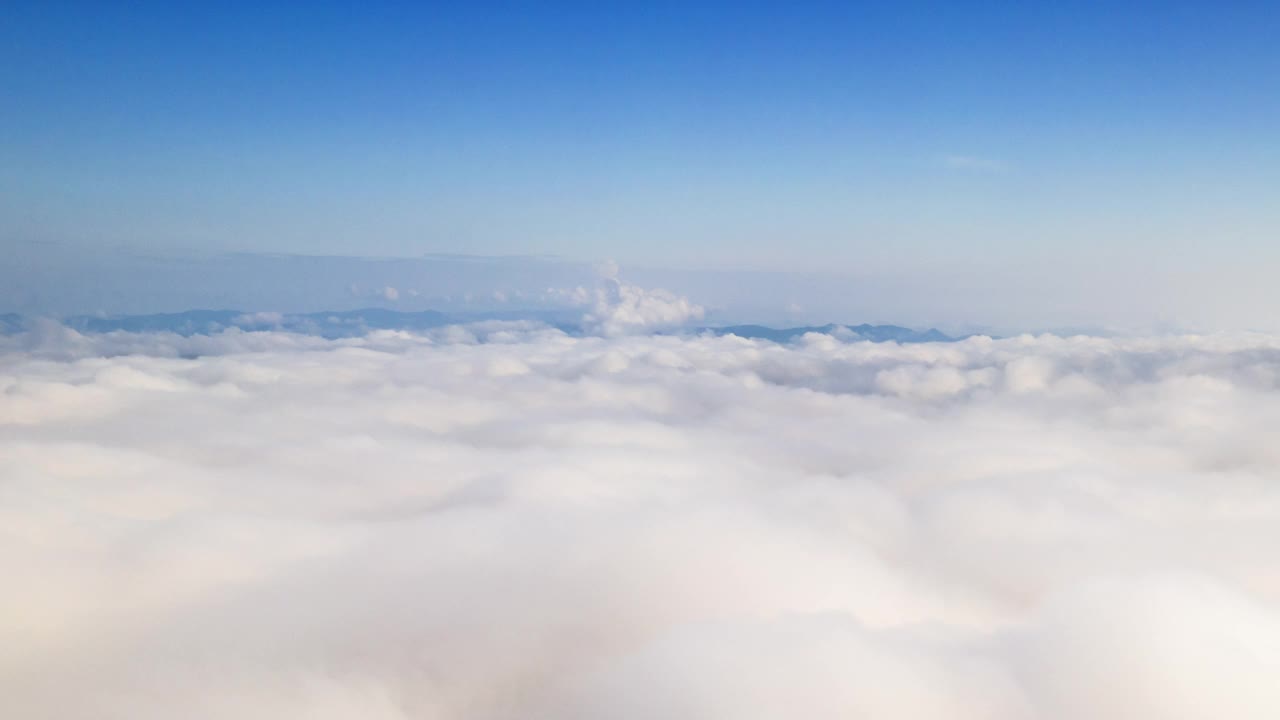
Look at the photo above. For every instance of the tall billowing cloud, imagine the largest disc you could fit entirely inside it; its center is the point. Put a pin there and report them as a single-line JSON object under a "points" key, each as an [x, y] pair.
{"points": [[618, 308], [502, 521]]}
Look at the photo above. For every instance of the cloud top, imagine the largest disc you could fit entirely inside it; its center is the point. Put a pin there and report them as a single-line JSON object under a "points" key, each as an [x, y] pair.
{"points": [[619, 308], [504, 521]]}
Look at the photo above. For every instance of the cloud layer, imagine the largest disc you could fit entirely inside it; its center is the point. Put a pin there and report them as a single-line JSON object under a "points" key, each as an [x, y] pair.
{"points": [[501, 521]]}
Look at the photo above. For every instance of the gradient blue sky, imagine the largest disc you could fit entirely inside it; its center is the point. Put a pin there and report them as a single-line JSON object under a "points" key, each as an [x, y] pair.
{"points": [[839, 137]]}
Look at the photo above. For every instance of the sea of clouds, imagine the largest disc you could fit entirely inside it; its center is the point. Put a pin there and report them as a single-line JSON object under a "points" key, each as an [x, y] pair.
{"points": [[502, 521]]}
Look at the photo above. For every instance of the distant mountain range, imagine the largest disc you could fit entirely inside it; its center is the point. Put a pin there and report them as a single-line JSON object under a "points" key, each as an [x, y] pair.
{"points": [[202, 322], [350, 323]]}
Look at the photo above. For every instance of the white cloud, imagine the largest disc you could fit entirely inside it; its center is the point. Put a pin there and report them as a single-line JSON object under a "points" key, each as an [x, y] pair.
{"points": [[607, 270], [620, 309], [617, 308], [576, 296], [390, 294], [502, 521], [259, 320]]}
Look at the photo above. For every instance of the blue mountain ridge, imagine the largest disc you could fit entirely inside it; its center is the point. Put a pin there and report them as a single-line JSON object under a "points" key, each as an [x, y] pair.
{"points": [[351, 323]]}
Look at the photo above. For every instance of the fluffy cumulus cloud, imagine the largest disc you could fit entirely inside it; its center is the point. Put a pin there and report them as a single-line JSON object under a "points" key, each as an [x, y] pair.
{"points": [[615, 307], [259, 320], [618, 308], [502, 521]]}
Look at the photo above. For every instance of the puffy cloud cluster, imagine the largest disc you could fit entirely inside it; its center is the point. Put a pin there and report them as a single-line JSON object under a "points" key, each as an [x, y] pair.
{"points": [[620, 309], [503, 521]]}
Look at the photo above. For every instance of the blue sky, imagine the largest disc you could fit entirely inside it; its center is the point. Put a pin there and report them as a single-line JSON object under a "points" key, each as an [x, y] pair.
{"points": [[841, 137]]}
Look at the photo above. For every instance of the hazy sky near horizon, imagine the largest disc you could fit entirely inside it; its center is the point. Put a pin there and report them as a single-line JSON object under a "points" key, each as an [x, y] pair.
{"points": [[961, 143]]}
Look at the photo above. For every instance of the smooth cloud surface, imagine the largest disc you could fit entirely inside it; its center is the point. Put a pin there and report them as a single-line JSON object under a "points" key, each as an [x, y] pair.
{"points": [[501, 521]]}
